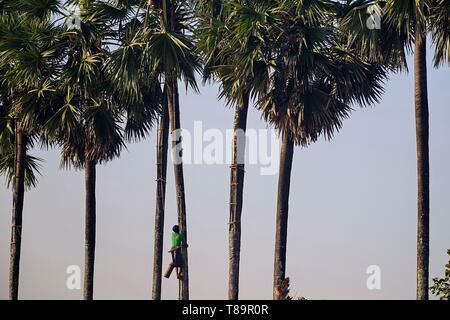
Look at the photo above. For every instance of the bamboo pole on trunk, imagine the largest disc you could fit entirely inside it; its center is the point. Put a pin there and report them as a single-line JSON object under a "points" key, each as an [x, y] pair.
{"points": [[175, 127], [236, 196], [162, 147], [17, 212]]}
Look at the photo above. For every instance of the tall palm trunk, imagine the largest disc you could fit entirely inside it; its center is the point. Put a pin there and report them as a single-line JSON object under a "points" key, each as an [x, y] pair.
{"points": [[236, 196], [163, 137], [174, 117], [90, 220], [16, 221], [423, 195], [284, 181]]}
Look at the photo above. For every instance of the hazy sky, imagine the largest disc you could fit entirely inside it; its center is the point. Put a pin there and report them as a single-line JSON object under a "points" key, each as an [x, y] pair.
{"points": [[352, 204]]}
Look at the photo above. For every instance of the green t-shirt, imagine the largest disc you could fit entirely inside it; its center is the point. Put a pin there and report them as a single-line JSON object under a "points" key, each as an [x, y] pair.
{"points": [[177, 239]]}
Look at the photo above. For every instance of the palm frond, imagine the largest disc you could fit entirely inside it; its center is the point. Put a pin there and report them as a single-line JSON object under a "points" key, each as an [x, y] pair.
{"points": [[440, 30], [33, 166], [173, 53]]}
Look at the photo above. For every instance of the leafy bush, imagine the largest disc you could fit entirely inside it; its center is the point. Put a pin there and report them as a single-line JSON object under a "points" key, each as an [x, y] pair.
{"points": [[441, 287]]}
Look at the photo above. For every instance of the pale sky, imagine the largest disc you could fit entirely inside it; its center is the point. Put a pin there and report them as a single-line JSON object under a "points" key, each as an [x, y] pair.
{"points": [[352, 205]]}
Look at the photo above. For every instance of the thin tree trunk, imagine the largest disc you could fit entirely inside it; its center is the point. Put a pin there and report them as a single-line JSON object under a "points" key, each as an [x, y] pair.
{"points": [[284, 180], [174, 116], [423, 195], [236, 197], [16, 221], [163, 138], [90, 220]]}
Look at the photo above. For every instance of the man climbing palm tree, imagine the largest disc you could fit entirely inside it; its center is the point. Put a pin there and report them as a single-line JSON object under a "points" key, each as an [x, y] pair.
{"points": [[178, 242]]}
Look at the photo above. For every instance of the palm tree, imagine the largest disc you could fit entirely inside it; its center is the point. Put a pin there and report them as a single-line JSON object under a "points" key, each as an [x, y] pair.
{"points": [[219, 53], [224, 50], [177, 13], [157, 47], [97, 113], [168, 52], [404, 28], [311, 82], [28, 55], [133, 53], [152, 21], [20, 169]]}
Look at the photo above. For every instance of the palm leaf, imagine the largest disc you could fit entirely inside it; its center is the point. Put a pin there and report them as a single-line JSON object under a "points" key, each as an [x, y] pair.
{"points": [[440, 31]]}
